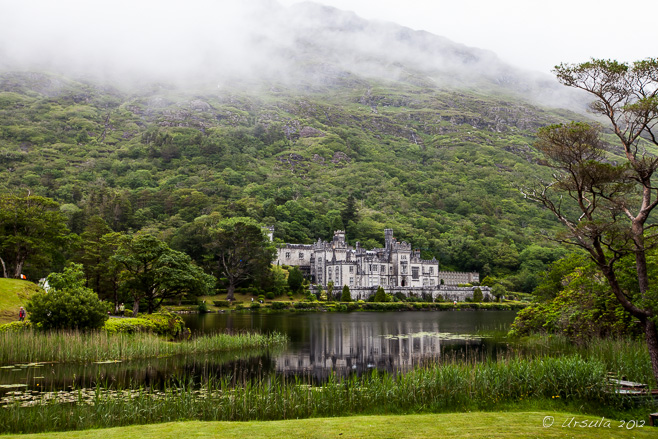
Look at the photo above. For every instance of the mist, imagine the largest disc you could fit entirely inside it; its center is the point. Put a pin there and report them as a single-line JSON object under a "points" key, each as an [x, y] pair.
{"points": [[221, 43]]}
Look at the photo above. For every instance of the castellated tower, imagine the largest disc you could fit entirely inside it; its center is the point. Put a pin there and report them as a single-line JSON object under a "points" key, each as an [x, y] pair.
{"points": [[388, 239]]}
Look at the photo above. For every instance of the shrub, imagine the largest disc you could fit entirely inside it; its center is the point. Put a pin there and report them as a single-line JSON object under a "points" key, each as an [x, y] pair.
{"points": [[69, 304], [255, 305], [222, 303], [345, 295], [380, 295], [269, 296], [15, 327], [280, 305], [477, 295], [163, 323], [202, 307], [130, 325]]}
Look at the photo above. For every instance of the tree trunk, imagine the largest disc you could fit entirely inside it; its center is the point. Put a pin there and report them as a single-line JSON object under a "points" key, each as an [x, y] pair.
{"points": [[651, 335], [19, 268], [4, 268], [230, 291], [135, 307]]}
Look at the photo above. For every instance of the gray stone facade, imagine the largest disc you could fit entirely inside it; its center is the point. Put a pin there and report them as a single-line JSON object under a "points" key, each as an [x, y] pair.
{"points": [[396, 268]]}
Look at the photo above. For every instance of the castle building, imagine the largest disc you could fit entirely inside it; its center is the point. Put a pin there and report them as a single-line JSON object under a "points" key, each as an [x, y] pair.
{"points": [[394, 267]]}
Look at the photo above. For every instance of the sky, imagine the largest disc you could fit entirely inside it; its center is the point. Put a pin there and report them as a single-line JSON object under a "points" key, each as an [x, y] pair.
{"points": [[530, 34], [179, 37]]}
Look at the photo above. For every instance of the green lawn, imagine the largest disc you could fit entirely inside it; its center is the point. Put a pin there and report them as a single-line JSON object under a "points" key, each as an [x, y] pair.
{"points": [[452, 425], [13, 294]]}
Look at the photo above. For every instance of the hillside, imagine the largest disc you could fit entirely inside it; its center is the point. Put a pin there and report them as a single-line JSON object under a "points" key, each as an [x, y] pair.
{"points": [[13, 294], [430, 138]]}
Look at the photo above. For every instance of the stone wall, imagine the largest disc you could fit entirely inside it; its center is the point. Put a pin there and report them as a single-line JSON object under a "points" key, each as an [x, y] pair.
{"points": [[446, 292]]}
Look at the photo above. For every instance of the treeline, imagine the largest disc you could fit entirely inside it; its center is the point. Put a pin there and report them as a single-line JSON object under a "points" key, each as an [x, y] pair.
{"points": [[139, 268]]}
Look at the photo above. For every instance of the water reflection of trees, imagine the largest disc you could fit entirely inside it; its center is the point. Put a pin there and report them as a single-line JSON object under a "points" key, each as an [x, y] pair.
{"points": [[156, 373]]}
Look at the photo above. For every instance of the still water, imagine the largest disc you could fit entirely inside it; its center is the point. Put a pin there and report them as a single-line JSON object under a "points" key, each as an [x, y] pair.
{"points": [[320, 344]]}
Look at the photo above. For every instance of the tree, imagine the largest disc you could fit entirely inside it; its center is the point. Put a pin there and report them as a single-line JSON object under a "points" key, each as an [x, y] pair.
{"points": [[295, 279], [380, 295], [154, 272], [99, 243], [609, 191], [32, 229], [239, 251], [346, 296], [68, 303], [349, 213], [330, 290], [498, 291], [477, 295]]}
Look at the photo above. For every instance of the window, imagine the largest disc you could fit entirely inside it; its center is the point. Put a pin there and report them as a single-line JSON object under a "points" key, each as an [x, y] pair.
{"points": [[431, 270], [351, 281], [403, 257], [382, 269], [301, 255], [414, 273], [432, 282], [351, 268], [287, 255], [329, 275]]}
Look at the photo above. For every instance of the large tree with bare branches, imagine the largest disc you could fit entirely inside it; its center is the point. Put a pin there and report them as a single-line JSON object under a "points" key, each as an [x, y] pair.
{"points": [[604, 194]]}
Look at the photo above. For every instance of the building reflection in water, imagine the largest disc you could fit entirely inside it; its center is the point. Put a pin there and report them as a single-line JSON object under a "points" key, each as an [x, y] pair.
{"points": [[352, 347]]}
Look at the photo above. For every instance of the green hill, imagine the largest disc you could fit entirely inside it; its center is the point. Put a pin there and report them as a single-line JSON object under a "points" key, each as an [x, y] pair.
{"points": [[14, 293]]}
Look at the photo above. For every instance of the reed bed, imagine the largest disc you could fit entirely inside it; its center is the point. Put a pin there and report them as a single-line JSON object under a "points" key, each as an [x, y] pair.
{"points": [[75, 346], [570, 382], [626, 358]]}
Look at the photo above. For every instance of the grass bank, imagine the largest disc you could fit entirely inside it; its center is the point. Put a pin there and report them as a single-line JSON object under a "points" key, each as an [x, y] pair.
{"points": [[544, 383], [300, 304], [473, 425], [14, 293], [74, 346]]}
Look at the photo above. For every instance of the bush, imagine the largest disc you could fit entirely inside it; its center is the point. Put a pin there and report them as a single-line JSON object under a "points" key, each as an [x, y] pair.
{"points": [[128, 312], [202, 307], [380, 295], [346, 296], [255, 305], [269, 296], [222, 303], [15, 327], [477, 295], [69, 304], [280, 305], [162, 323]]}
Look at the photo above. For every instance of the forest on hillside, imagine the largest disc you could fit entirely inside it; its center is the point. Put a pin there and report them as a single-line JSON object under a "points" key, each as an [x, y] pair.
{"points": [[440, 167]]}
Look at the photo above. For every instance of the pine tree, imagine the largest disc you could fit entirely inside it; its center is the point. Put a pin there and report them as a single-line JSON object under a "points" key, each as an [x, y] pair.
{"points": [[346, 296], [380, 295]]}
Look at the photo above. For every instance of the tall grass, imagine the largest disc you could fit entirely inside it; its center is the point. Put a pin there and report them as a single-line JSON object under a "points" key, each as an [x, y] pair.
{"points": [[624, 357], [75, 346], [566, 382]]}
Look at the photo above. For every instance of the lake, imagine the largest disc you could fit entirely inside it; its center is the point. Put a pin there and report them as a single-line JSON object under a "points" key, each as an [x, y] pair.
{"points": [[321, 344]]}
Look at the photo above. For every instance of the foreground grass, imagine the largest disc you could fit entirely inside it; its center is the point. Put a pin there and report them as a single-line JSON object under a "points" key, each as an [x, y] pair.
{"points": [[75, 346], [569, 384], [14, 293], [452, 425]]}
